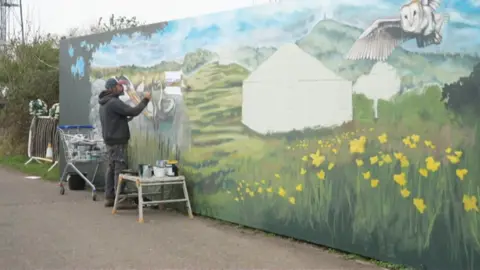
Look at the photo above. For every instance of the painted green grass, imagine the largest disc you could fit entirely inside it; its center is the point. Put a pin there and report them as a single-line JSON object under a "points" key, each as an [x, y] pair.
{"points": [[260, 180]]}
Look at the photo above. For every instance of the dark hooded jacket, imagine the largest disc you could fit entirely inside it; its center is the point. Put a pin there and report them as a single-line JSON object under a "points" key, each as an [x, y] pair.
{"points": [[114, 116]]}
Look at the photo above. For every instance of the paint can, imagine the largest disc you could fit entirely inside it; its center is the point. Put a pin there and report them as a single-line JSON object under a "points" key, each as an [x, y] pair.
{"points": [[158, 171], [169, 170], [160, 163], [144, 170]]}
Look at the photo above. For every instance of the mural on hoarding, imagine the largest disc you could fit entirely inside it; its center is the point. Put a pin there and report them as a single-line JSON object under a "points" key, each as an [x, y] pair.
{"points": [[351, 124]]}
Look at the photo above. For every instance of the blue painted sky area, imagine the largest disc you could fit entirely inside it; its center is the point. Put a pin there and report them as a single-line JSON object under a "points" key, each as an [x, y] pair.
{"points": [[273, 25], [78, 69]]}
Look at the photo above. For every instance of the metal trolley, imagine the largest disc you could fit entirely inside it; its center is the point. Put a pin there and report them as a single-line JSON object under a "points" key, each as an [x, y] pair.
{"points": [[80, 146]]}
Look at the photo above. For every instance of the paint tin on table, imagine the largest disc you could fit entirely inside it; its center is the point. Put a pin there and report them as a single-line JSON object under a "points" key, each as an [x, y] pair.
{"points": [[147, 171], [144, 170], [169, 170], [140, 170], [160, 163], [158, 171]]}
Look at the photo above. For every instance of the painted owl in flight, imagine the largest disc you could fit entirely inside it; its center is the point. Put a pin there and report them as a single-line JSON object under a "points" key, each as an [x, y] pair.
{"points": [[417, 20]]}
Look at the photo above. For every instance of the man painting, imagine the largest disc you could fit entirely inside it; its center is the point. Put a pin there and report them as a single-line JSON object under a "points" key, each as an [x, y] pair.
{"points": [[114, 117]]}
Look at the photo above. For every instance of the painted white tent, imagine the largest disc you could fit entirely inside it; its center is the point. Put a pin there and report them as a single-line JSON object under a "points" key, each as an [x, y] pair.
{"points": [[292, 90]]}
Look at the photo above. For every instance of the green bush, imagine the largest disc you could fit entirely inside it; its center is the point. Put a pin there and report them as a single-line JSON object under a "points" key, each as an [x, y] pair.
{"points": [[29, 72]]}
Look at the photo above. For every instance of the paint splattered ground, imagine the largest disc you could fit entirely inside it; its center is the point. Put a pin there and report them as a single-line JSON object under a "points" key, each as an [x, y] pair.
{"points": [[40, 229]]}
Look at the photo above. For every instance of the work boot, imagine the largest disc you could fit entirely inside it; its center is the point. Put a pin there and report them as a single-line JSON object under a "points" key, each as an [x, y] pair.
{"points": [[109, 202]]}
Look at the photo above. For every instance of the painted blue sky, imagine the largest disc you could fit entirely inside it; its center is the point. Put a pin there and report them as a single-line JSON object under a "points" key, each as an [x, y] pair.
{"points": [[272, 25]]}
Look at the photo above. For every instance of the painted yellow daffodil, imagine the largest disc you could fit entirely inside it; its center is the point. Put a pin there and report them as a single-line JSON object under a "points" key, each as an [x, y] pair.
{"points": [[321, 175], [461, 173], [358, 145], [420, 205], [406, 141], [331, 165], [470, 203], [291, 200], [453, 159], [387, 158], [405, 193], [359, 162], [432, 164], [383, 138], [400, 179], [317, 159], [423, 172], [404, 162]]}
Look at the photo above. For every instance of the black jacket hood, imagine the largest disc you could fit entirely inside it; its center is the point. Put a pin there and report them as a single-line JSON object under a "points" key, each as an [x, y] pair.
{"points": [[114, 116], [105, 96]]}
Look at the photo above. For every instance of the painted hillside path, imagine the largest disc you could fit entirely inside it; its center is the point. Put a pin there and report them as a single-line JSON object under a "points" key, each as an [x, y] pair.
{"points": [[43, 230]]}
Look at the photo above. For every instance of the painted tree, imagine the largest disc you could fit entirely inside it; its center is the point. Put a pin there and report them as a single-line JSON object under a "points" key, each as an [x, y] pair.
{"points": [[381, 83], [463, 96]]}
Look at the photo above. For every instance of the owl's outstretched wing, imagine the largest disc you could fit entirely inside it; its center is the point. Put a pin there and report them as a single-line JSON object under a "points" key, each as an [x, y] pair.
{"points": [[434, 4], [379, 40]]}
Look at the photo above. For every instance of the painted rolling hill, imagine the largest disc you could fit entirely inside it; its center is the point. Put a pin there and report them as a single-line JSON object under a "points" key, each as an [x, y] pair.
{"points": [[328, 41]]}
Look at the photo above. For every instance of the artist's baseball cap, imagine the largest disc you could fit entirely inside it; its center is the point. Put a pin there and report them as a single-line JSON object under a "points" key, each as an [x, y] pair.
{"points": [[112, 82]]}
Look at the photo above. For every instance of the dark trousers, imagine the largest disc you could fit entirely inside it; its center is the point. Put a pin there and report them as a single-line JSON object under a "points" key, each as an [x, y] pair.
{"points": [[117, 162]]}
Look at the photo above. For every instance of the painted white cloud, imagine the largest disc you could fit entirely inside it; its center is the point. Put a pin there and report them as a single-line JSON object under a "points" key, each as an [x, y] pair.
{"points": [[227, 23], [173, 46], [475, 3], [459, 18]]}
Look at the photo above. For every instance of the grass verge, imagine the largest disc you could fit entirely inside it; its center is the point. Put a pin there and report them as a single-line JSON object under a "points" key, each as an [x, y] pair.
{"points": [[33, 169]]}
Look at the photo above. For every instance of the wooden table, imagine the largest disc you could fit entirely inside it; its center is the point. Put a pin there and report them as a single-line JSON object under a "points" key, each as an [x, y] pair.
{"points": [[141, 182]]}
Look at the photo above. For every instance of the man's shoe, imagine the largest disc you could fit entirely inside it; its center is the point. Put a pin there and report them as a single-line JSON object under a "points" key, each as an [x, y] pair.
{"points": [[109, 202]]}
